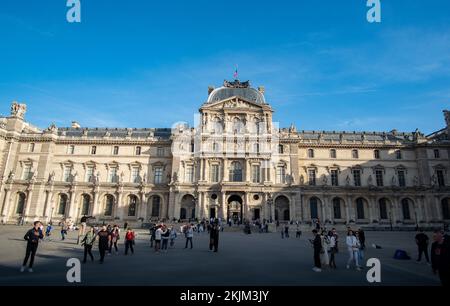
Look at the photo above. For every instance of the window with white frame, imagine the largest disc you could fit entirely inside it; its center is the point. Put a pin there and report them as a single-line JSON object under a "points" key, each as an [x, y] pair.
{"points": [[355, 154], [215, 173], [189, 173], [138, 150], [116, 150], [357, 177], [67, 174], [26, 172], [334, 177], [312, 177], [160, 151], [379, 178], [440, 178], [281, 174], [401, 178], [135, 177], [256, 173], [89, 174], [31, 147], [158, 174], [215, 147], [310, 153], [333, 153], [94, 150], [112, 175]]}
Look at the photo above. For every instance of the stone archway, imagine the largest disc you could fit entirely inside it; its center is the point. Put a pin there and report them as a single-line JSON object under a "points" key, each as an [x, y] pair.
{"points": [[235, 208], [187, 210], [282, 212]]}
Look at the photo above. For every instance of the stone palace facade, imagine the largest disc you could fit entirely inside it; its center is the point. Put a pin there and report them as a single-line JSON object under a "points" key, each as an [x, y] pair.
{"points": [[236, 163]]}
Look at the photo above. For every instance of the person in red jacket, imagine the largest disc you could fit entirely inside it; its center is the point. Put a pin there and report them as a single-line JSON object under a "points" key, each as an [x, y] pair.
{"points": [[129, 241]]}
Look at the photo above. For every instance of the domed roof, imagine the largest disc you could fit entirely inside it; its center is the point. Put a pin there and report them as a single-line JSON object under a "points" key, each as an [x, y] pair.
{"points": [[238, 89]]}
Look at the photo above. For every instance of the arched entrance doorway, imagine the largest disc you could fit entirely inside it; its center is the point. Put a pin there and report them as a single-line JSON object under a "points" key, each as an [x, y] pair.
{"points": [[282, 209], [187, 210], [235, 208]]}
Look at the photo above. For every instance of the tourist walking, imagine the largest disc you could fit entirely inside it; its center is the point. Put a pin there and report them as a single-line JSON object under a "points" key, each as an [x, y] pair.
{"points": [[286, 231], [32, 237], [361, 236], [189, 233], [129, 241], [158, 236], [165, 238], [115, 236], [333, 249], [214, 237], [88, 241], [317, 246], [352, 247], [440, 257], [152, 235], [173, 236], [422, 245], [325, 247], [48, 230], [104, 240], [63, 229]]}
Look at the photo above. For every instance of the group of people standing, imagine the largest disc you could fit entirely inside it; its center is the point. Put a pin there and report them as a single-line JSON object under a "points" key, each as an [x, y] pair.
{"points": [[326, 246]]}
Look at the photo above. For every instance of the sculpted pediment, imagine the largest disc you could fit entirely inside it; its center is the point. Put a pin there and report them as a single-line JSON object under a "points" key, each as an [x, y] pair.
{"points": [[234, 103]]}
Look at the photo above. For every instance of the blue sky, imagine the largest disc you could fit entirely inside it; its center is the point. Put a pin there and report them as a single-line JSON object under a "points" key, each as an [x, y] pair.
{"points": [[140, 63]]}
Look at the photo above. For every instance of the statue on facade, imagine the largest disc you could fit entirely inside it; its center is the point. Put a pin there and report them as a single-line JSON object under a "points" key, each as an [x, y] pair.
{"points": [[341, 138], [370, 180], [302, 179], [10, 177], [18, 110], [34, 176], [51, 177], [324, 179], [347, 180], [175, 177], [52, 128], [74, 177], [416, 181], [434, 181], [292, 129], [393, 181], [121, 177]]}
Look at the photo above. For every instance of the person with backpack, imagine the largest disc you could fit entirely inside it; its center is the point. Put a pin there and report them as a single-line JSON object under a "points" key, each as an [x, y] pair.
{"points": [[48, 230], [88, 241], [189, 233], [32, 237], [129, 241]]}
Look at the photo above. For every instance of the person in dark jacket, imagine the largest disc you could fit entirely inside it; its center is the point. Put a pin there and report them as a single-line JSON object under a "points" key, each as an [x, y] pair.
{"points": [[32, 237], [104, 239], [440, 257], [214, 237], [317, 245], [88, 241], [422, 245]]}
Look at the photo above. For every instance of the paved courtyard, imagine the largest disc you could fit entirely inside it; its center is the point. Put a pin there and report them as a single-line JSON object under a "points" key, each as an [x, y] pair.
{"points": [[256, 259]]}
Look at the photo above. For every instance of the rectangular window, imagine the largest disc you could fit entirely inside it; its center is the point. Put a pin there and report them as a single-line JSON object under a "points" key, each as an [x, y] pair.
{"points": [[158, 175], [440, 178], [138, 151], [116, 150], [94, 150], [334, 178], [71, 149], [256, 174], [215, 173], [376, 154], [135, 178], [379, 178], [31, 147], [90, 174], [401, 178], [67, 174], [26, 175], [312, 177], [281, 175], [357, 177], [160, 152], [112, 178], [190, 174], [437, 154]]}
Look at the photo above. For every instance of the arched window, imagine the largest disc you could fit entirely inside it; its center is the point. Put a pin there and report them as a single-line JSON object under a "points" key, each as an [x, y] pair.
{"points": [[332, 153], [360, 208], [236, 172], [355, 154], [310, 153], [85, 205], [445, 203], [21, 203], [183, 213], [132, 206], [109, 205], [337, 208], [313, 208], [156, 204], [62, 204], [383, 209], [406, 210]]}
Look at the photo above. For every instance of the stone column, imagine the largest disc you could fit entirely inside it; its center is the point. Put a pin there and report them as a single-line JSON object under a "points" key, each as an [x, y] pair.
{"points": [[247, 171], [224, 206], [28, 202], [246, 207], [302, 208], [437, 206], [394, 211], [72, 208], [95, 205], [48, 206], [224, 171], [424, 208], [198, 207], [351, 215], [326, 210], [292, 213], [6, 202], [143, 206], [120, 206]]}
